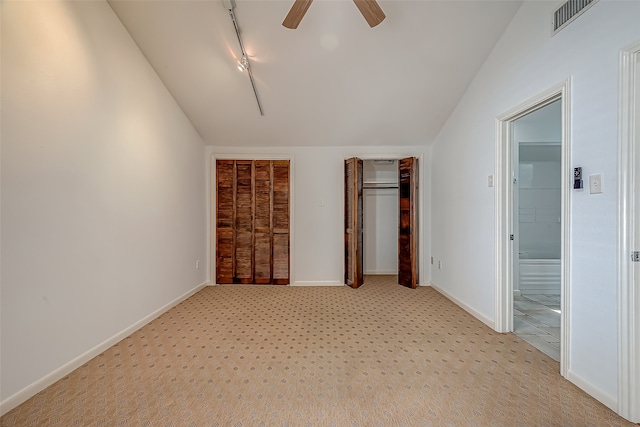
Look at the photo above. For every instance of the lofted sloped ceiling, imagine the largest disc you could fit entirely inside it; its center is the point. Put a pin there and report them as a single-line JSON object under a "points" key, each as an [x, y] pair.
{"points": [[333, 81]]}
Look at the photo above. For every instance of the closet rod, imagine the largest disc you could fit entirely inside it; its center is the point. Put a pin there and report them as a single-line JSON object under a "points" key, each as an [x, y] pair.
{"points": [[379, 187]]}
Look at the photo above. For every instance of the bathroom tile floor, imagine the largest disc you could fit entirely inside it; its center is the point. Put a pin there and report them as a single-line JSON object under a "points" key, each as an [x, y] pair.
{"points": [[536, 319]]}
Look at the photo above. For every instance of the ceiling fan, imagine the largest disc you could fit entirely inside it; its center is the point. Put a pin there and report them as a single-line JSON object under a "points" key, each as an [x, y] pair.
{"points": [[369, 9]]}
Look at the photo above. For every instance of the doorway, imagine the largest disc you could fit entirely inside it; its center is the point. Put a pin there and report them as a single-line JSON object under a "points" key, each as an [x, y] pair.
{"points": [[381, 220], [506, 224], [536, 246]]}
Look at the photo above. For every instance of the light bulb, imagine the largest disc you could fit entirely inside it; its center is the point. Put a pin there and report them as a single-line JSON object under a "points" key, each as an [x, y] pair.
{"points": [[243, 64]]}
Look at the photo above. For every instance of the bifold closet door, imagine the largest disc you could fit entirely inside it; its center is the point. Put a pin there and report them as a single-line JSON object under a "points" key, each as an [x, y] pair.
{"points": [[225, 219], [353, 218], [408, 227], [252, 228], [263, 226], [244, 222], [280, 215]]}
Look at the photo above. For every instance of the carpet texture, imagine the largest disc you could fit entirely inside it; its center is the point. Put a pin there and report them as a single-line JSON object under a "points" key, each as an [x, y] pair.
{"points": [[381, 355]]}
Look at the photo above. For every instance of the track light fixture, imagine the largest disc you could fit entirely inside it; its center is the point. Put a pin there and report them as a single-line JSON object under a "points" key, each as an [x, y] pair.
{"points": [[243, 64]]}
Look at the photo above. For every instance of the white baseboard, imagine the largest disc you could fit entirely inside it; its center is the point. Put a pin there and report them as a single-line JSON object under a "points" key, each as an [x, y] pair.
{"points": [[44, 382], [517, 293], [481, 317], [318, 283], [607, 399]]}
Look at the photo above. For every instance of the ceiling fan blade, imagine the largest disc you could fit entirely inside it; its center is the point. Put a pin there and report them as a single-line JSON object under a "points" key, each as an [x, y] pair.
{"points": [[296, 13], [371, 11]]}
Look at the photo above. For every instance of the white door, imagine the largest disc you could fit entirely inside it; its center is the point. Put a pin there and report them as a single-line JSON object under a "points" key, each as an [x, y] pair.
{"points": [[635, 414], [515, 223]]}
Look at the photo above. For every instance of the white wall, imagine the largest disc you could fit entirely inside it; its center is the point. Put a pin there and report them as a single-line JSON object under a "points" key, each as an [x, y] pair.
{"points": [[381, 215], [103, 210], [317, 250], [526, 62]]}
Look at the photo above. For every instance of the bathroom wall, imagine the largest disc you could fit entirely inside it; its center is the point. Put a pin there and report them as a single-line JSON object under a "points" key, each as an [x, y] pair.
{"points": [[539, 201]]}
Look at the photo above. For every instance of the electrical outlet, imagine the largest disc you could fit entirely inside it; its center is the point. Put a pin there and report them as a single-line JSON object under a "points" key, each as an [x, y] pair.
{"points": [[439, 265], [198, 264]]}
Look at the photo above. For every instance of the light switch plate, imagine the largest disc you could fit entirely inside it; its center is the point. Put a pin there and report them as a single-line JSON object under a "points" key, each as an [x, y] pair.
{"points": [[595, 184]]}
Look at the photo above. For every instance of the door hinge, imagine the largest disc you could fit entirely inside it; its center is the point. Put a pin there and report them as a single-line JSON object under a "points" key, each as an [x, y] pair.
{"points": [[511, 237], [635, 256]]}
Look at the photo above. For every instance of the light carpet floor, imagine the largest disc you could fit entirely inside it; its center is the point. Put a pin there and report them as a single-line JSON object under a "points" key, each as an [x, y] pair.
{"points": [[381, 355]]}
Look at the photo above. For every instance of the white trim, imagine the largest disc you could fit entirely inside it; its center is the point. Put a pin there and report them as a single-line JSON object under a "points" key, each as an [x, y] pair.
{"points": [[44, 382], [503, 205], [318, 283], [504, 213], [599, 394], [628, 404], [212, 205], [472, 311]]}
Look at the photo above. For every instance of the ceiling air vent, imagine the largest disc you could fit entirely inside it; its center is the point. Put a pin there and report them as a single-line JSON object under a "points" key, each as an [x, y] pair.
{"points": [[568, 12]]}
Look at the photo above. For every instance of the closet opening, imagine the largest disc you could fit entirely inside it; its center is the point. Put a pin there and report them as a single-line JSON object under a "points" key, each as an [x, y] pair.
{"points": [[380, 218], [381, 226]]}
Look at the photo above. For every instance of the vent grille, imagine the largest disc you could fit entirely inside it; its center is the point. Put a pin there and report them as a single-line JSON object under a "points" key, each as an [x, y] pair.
{"points": [[569, 11]]}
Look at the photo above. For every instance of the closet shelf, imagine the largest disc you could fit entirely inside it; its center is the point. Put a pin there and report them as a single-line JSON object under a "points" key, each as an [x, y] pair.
{"points": [[378, 185], [394, 182]]}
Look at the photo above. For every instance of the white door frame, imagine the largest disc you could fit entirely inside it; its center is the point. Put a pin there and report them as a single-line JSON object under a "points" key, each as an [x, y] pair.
{"points": [[628, 212], [504, 213]]}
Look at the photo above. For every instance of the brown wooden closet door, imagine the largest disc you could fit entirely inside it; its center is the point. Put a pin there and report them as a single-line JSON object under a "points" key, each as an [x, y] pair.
{"points": [[280, 222], [408, 227], [252, 221], [353, 216], [225, 206], [244, 222], [263, 227]]}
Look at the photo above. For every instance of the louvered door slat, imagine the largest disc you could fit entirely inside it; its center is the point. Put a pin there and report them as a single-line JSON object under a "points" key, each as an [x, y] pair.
{"points": [[281, 259], [225, 247], [408, 227], [281, 196], [349, 214], [244, 222], [280, 217], [353, 222], [262, 223]]}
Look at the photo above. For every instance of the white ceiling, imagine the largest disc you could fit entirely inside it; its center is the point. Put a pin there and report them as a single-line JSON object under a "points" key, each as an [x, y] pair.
{"points": [[333, 81]]}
